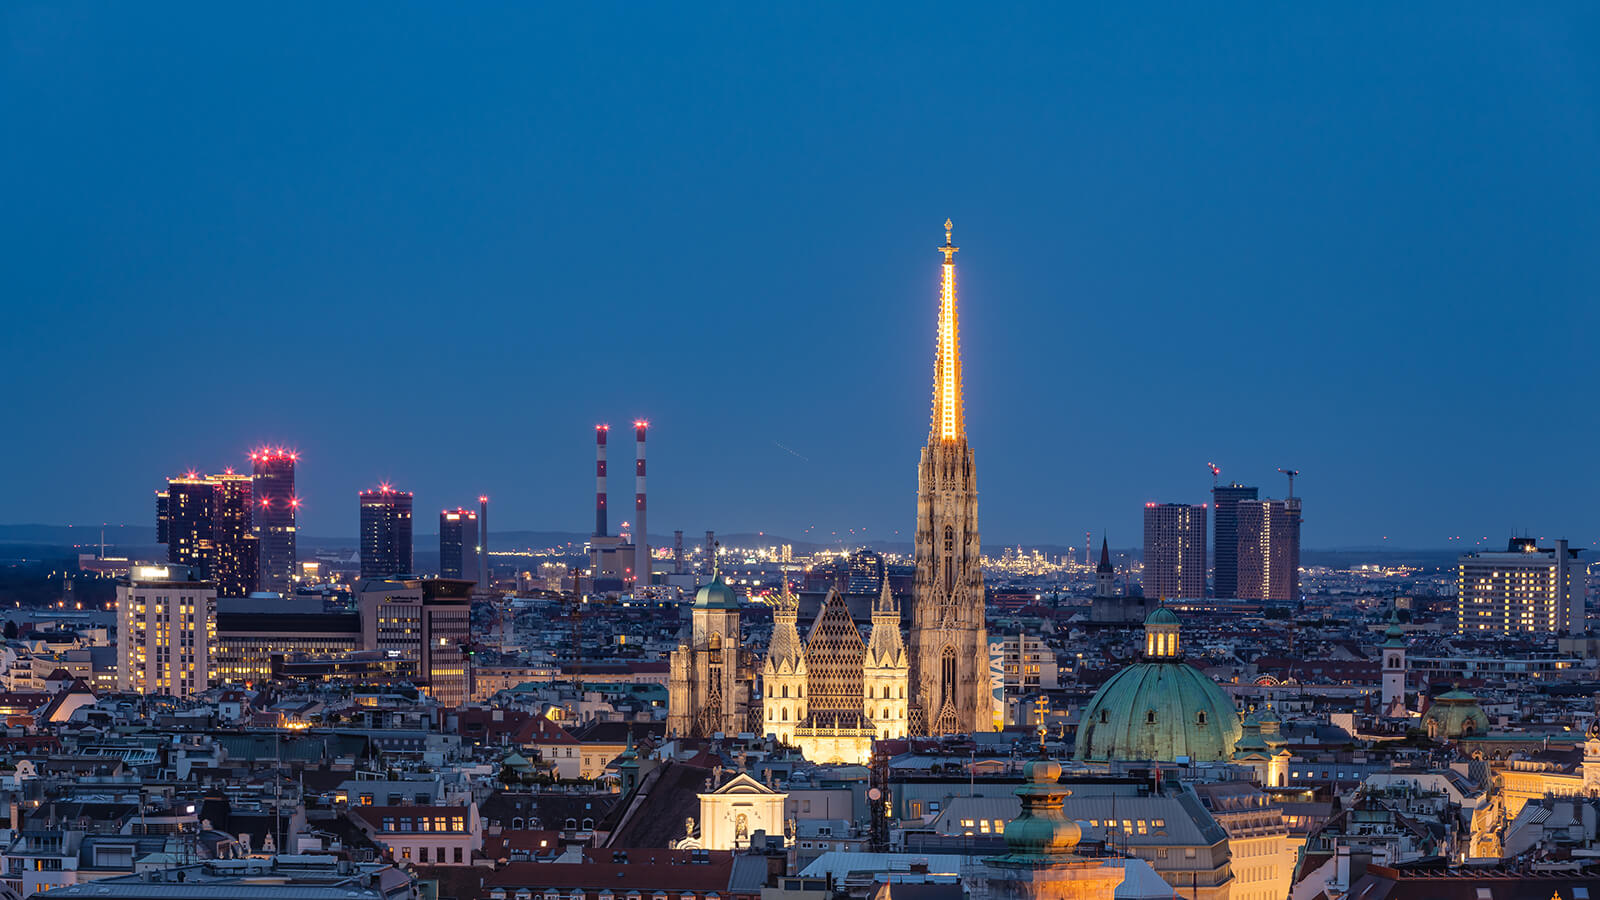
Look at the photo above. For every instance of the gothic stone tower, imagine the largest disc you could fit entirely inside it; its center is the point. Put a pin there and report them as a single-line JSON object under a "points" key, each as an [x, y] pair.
{"points": [[949, 645], [706, 691]]}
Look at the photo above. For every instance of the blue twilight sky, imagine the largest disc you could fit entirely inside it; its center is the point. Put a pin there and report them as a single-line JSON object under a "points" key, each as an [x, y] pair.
{"points": [[435, 245]]}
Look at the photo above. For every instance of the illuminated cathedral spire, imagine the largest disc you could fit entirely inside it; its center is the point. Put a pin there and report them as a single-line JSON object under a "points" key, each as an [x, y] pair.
{"points": [[948, 423], [949, 649]]}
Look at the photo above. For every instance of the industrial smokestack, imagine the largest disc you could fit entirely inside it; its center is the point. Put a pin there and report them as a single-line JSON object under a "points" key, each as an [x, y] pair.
{"points": [[483, 545], [641, 537], [600, 479], [677, 552]]}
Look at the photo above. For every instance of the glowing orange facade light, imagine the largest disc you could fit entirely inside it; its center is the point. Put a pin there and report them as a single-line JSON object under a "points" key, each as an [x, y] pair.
{"points": [[947, 419]]}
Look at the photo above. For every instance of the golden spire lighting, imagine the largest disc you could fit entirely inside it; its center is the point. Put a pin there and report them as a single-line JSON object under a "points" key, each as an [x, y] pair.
{"points": [[947, 420]]}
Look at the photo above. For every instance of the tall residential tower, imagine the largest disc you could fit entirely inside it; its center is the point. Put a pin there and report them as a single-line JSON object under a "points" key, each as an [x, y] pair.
{"points": [[949, 644], [1174, 550]]}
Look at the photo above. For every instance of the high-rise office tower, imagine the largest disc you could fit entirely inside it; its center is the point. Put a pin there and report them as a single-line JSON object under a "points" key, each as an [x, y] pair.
{"points": [[236, 551], [1174, 550], [427, 620], [185, 515], [1224, 503], [166, 630], [385, 532], [1526, 589], [275, 511], [1267, 549], [458, 536], [951, 692]]}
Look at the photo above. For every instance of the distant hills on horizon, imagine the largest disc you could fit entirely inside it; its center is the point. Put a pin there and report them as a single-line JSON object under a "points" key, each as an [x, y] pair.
{"points": [[140, 538]]}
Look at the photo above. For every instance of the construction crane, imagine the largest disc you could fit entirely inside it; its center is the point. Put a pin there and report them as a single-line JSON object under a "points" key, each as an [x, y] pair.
{"points": [[1215, 471], [1291, 473]]}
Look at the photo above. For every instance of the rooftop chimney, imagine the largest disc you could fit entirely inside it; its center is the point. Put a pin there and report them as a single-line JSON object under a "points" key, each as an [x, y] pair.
{"points": [[600, 479], [641, 537], [483, 544]]}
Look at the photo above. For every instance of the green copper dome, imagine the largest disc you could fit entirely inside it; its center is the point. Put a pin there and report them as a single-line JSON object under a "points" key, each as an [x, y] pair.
{"points": [[1162, 616], [1455, 714], [1158, 711], [1042, 832], [716, 595]]}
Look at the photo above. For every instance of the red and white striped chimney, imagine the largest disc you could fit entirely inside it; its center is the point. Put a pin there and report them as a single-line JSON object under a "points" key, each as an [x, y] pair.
{"points": [[600, 479], [483, 544], [641, 537]]}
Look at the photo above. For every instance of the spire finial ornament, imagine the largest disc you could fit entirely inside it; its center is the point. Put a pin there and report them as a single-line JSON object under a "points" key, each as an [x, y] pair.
{"points": [[949, 249], [1040, 705]]}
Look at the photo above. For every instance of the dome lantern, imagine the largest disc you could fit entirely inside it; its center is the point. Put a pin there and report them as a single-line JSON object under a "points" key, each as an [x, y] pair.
{"points": [[1161, 635]]}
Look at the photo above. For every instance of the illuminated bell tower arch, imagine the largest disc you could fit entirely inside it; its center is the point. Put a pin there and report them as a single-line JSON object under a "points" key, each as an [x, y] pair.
{"points": [[949, 643]]}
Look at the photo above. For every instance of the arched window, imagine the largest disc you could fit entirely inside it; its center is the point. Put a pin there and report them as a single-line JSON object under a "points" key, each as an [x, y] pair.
{"points": [[1105, 716], [1200, 718], [886, 712], [947, 686], [786, 713], [786, 692], [1149, 717]]}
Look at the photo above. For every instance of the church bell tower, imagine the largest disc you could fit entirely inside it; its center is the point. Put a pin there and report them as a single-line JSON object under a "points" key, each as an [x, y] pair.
{"points": [[949, 643]]}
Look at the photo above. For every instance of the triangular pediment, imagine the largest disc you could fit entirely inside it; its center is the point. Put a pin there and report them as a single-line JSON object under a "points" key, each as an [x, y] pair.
{"points": [[743, 784]]}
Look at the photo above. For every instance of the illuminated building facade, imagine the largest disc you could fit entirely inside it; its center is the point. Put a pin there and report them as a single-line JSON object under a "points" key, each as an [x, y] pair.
{"points": [[250, 634], [427, 620], [205, 523], [276, 506], [185, 512], [1526, 589], [385, 532], [1225, 500], [167, 628], [886, 674], [1268, 549], [784, 675], [949, 647], [1174, 550], [458, 543], [236, 555]]}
